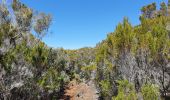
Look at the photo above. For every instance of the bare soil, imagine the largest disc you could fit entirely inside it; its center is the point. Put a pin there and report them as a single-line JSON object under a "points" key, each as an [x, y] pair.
{"points": [[80, 91]]}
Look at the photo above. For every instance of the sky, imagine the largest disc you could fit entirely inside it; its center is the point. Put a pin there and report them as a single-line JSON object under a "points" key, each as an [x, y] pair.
{"points": [[84, 23]]}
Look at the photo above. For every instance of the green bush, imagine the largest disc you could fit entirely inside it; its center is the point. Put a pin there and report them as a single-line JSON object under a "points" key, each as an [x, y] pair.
{"points": [[126, 91], [105, 87], [150, 92]]}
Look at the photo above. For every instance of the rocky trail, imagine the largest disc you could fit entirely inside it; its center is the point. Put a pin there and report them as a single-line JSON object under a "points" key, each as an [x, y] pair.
{"points": [[80, 91]]}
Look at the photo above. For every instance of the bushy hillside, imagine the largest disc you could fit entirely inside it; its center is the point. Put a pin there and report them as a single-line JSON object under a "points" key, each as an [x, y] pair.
{"points": [[139, 54], [132, 63], [28, 68]]}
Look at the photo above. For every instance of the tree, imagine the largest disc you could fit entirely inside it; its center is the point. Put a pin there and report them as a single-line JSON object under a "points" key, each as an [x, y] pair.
{"points": [[16, 24], [123, 37], [163, 9], [148, 10], [23, 16], [25, 19], [42, 23]]}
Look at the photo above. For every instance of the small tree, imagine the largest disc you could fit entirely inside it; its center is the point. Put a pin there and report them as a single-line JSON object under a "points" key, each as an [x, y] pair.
{"points": [[148, 10], [163, 9], [42, 23]]}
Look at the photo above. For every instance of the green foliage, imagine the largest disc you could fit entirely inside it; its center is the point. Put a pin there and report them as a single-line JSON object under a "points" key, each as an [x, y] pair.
{"points": [[6, 60], [42, 24], [39, 59], [1, 38], [23, 15], [123, 39], [101, 52], [163, 9], [105, 86], [126, 91], [87, 70], [148, 10], [156, 37], [39, 56], [81, 62], [51, 80], [52, 69], [150, 92], [150, 38], [57, 59]]}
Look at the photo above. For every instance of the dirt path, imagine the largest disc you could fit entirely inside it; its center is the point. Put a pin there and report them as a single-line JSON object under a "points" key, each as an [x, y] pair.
{"points": [[80, 91]]}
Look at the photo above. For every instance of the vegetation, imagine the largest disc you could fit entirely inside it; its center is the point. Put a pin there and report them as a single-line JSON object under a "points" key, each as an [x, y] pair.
{"points": [[120, 66], [150, 92], [126, 91], [144, 46]]}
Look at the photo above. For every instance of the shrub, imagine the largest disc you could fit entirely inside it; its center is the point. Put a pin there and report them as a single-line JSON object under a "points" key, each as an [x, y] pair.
{"points": [[126, 91], [150, 92]]}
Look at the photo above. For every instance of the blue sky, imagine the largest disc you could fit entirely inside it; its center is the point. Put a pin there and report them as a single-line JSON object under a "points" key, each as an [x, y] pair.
{"points": [[83, 23]]}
